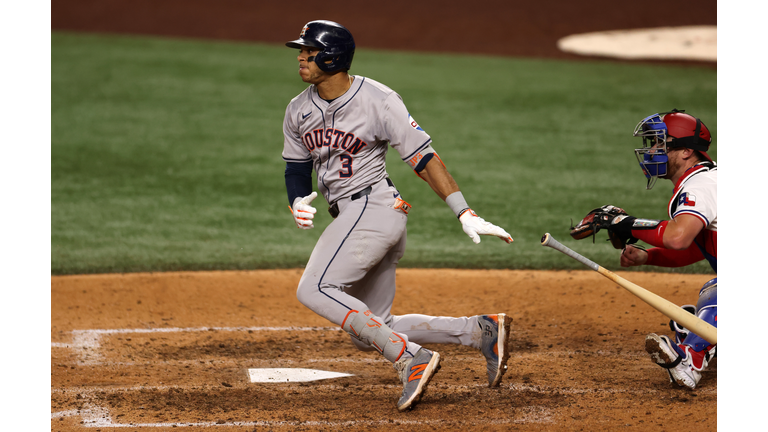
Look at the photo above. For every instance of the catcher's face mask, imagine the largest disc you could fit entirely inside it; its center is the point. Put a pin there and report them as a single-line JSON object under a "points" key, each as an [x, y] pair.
{"points": [[653, 156]]}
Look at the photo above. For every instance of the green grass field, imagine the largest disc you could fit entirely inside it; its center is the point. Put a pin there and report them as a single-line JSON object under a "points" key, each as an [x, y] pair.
{"points": [[166, 154]]}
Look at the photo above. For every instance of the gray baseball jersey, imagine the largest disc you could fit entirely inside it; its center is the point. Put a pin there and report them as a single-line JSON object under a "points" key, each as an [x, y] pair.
{"points": [[347, 139], [352, 268]]}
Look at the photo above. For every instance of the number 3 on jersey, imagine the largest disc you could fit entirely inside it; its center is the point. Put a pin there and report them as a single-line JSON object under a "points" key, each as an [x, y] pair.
{"points": [[346, 164]]}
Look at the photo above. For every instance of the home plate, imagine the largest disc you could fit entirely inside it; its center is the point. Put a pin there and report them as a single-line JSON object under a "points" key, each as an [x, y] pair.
{"points": [[277, 375]]}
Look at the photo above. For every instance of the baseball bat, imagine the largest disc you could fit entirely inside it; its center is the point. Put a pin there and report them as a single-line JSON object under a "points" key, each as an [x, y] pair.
{"points": [[680, 315]]}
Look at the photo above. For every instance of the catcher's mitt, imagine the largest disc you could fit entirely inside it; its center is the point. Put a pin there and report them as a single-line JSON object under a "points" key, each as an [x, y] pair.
{"points": [[602, 218]]}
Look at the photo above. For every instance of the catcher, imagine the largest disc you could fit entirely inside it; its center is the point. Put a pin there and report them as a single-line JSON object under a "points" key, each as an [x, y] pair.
{"points": [[675, 147]]}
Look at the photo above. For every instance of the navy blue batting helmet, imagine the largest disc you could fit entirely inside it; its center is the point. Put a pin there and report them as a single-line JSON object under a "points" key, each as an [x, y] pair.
{"points": [[333, 40]]}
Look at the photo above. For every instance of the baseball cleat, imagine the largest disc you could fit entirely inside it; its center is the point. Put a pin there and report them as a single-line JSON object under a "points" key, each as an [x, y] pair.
{"points": [[495, 345], [679, 368], [415, 373]]}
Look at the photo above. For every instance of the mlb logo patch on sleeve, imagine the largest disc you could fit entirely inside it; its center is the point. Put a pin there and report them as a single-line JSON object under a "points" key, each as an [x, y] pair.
{"points": [[687, 199], [413, 123]]}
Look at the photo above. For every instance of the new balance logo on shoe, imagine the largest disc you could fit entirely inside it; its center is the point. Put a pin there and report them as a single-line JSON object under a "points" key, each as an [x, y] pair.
{"points": [[416, 372]]}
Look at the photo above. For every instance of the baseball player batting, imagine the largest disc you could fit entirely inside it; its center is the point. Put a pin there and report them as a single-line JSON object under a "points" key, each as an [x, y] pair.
{"points": [[675, 147], [341, 126]]}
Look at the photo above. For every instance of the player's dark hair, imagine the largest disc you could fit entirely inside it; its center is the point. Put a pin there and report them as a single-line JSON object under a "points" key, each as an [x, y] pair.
{"points": [[700, 156]]}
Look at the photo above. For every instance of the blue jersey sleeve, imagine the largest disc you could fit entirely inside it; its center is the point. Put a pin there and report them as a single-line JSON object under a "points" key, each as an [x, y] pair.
{"points": [[298, 180]]}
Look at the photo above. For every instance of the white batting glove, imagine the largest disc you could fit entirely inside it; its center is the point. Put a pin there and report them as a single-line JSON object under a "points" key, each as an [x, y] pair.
{"points": [[475, 226], [303, 213]]}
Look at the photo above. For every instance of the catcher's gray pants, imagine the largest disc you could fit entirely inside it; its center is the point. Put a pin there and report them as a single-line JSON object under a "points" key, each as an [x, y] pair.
{"points": [[353, 268]]}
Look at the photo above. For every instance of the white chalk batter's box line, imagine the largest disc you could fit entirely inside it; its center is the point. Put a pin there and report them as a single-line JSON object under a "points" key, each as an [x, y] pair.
{"points": [[546, 390], [87, 342], [81, 337], [257, 362], [94, 416]]}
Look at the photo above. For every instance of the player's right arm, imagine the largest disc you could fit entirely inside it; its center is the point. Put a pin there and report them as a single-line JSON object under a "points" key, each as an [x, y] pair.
{"points": [[298, 183], [633, 256], [298, 171], [661, 257]]}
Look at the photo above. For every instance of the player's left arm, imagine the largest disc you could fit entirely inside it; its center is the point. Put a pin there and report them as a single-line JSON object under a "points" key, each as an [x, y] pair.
{"points": [[681, 231], [696, 210], [437, 176], [414, 146], [434, 172], [676, 234]]}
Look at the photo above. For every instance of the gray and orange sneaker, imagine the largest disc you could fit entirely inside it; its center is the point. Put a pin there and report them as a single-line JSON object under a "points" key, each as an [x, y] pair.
{"points": [[495, 345], [415, 373]]}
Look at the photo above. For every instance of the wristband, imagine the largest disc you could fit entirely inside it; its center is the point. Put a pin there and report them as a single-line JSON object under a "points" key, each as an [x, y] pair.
{"points": [[650, 231], [457, 203]]}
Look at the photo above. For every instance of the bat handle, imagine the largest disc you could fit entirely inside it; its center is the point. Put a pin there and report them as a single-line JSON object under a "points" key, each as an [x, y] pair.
{"points": [[548, 240]]}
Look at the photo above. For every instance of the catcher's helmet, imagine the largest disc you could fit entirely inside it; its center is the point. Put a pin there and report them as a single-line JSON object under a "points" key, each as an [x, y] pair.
{"points": [[334, 41], [673, 129]]}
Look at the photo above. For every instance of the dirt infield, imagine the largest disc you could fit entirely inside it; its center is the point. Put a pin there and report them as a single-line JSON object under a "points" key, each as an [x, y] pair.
{"points": [[168, 350], [172, 350]]}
